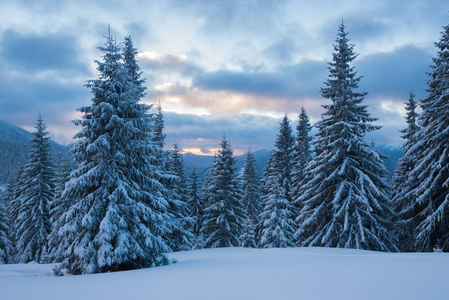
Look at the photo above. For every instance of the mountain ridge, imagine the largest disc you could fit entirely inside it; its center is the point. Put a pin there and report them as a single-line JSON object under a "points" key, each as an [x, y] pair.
{"points": [[15, 145], [203, 162]]}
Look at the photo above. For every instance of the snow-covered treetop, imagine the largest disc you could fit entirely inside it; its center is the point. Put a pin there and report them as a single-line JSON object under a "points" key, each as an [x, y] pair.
{"points": [[341, 88]]}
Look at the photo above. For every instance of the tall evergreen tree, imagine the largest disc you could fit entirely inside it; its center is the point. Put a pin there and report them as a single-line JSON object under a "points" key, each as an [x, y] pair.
{"points": [[118, 216], [154, 162], [283, 156], [346, 201], [177, 238], [269, 172], [429, 178], [251, 200], [276, 225], [206, 193], [301, 156], [195, 203], [402, 200], [33, 220], [224, 211], [251, 188], [132, 68], [181, 237], [277, 220], [170, 167]]}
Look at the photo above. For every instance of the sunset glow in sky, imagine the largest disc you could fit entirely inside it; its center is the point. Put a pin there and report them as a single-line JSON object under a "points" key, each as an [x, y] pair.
{"points": [[235, 66]]}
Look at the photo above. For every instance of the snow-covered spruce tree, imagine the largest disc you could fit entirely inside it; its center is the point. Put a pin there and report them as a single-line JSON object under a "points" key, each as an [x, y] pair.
{"points": [[301, 156], [283, 156], [251, 188], [195, 203], [206, 193], [251, 200], [5, 242], [224, 212], [269, 171], [154, 162], [58, 206], [429, 178], [118, 214], [177, 237], [405, 164], [132, 68], [402, 199], [33, 220], [277, 224], [346, 202], [181, 236]]}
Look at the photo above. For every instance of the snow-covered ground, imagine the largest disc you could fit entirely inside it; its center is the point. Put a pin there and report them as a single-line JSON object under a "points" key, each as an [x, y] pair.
{"points": [[236, 273]]}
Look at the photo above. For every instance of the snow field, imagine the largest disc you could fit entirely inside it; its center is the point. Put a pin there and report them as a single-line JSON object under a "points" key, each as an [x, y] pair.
{"points": [[240, 273]]}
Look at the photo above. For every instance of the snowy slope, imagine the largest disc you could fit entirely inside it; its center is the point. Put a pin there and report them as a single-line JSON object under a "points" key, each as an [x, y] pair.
{"points": [[236, 273]]}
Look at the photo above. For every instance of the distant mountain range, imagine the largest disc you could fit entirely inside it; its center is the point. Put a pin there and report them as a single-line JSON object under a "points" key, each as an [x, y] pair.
{"points": [[15, 146], [202, 162]]}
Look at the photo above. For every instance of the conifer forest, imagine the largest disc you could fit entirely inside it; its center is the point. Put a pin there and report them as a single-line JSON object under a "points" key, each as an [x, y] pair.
{"points": [[120, 201]]}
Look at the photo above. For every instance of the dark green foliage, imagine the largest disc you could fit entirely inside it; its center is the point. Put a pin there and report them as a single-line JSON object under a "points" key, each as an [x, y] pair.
{"points": [[283, 156], [37, 191], [402, 198], [181, 236], [346, 201], [301, 157], [195, 203], [251, 200], [224, 213], [277, 224], [118, 214], [428, 183], [58, 206], [5, 242]]}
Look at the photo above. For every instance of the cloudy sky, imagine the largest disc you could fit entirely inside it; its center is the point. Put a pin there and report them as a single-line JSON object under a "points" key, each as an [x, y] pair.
{"points": [[235, 66]]}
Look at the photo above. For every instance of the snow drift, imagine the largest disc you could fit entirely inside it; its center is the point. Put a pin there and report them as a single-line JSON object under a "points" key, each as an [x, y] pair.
{"points": [[239, 273]]}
